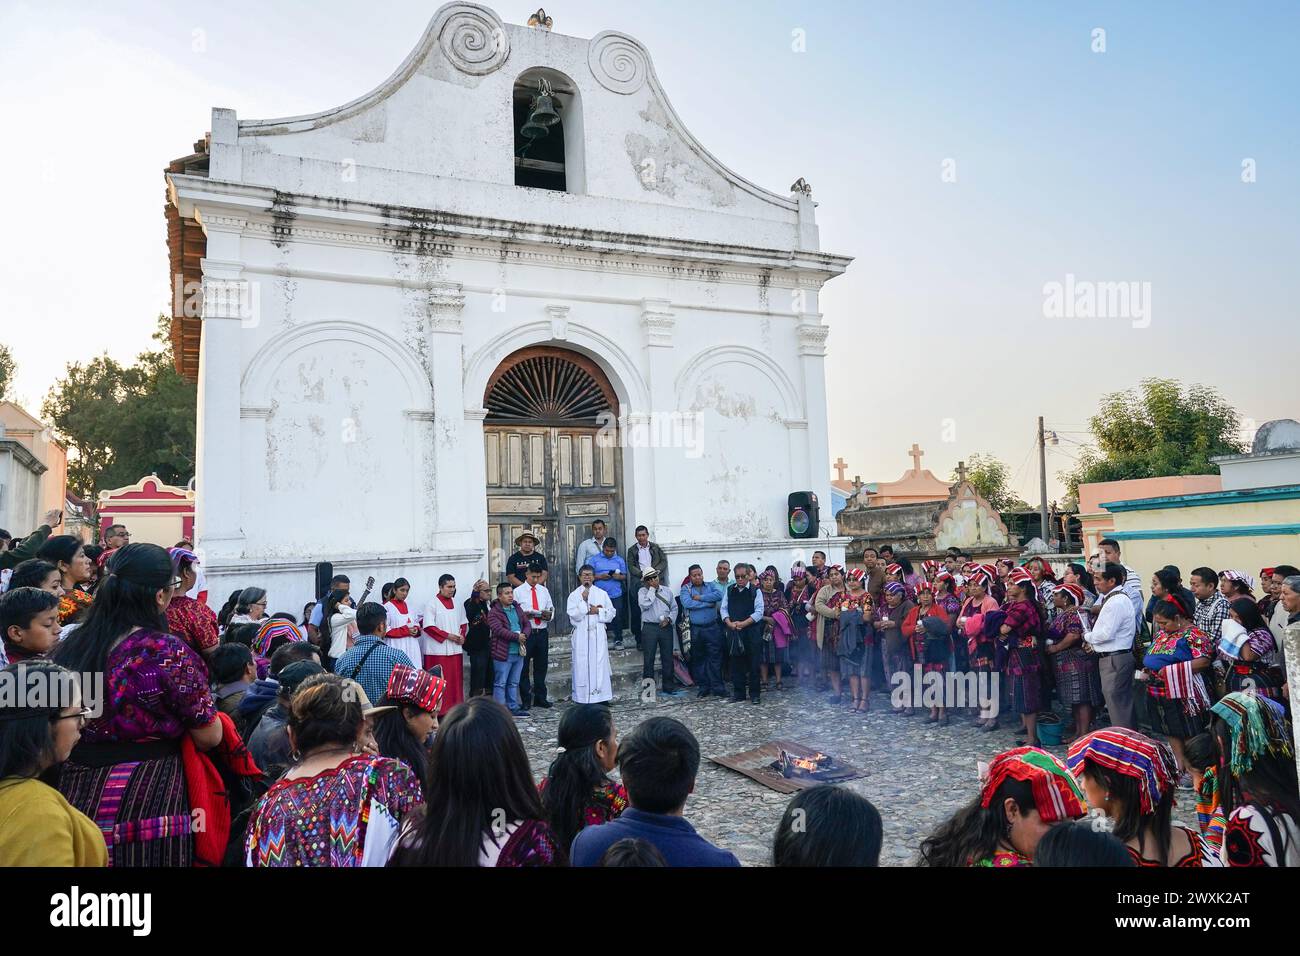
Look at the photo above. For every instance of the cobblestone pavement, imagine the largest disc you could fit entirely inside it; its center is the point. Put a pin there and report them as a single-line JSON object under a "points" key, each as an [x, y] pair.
{"points": [[916, 773]]}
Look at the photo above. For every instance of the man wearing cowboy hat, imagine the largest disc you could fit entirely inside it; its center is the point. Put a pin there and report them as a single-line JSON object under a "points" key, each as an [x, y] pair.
{"points": [[525, 558], [658, 619]]}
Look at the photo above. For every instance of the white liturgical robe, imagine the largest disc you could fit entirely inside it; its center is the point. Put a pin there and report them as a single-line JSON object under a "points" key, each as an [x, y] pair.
{"points": [[591, 675]]}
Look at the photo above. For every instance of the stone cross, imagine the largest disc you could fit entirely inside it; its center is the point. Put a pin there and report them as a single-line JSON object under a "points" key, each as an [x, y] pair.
{"points": [[839, 466], [961, 472], [916, 454]]}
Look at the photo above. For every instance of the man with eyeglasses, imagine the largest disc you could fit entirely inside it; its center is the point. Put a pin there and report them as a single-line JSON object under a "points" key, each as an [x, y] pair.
{"points": [[116, 536]]}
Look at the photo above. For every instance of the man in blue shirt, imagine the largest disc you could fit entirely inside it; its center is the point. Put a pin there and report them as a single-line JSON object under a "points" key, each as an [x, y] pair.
{"points": [[611, 575], [742, 612], [658, 761], [370, 661], [703, 602]]}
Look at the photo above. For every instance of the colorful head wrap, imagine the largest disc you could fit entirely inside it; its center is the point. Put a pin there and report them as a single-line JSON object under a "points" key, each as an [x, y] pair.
{"points": [[1266, 572], [1257, 726], [1073, 590], [421, 689], [893, 569], [930, 566], [1127, 752], [798, 569], [271, 629], [943, 576], [1057, 795], [857, 574], [893, 587], [1241, 576], [925, 586], [1019, 576], [980, 575]]}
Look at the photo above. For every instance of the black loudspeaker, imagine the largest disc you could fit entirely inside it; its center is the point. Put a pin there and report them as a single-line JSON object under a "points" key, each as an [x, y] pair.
{"points": [[804, 516], [324, 571]]}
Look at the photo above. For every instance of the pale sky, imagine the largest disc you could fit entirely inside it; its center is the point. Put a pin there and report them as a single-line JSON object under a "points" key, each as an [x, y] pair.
{"points": [[966, 154]]}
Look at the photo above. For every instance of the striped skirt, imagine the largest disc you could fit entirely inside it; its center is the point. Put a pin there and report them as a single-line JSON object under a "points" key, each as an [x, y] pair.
{"points": [[141, 807]]}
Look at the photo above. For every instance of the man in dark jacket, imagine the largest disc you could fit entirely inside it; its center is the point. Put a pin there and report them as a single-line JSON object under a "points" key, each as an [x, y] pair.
{"points": [[26, 549], [644, 554], [510, 628]]}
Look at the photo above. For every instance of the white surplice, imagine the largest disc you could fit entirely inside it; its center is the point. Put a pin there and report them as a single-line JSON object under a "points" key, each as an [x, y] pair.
{"points": [[591, 675]]}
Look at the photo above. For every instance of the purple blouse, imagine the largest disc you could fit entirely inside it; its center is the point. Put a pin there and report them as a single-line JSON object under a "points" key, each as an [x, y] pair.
{"points": [[155, 688]]}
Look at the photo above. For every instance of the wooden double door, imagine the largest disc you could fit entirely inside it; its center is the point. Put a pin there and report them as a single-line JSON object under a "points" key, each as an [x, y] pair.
{"points": [[553, 481]]}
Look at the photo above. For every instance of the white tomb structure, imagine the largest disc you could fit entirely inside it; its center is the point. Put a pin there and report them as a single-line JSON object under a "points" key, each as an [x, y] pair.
{"points": [[418, 330]]}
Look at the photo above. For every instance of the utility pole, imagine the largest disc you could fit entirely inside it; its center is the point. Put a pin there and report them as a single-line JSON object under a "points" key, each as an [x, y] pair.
{"points": [[1042, 481]]}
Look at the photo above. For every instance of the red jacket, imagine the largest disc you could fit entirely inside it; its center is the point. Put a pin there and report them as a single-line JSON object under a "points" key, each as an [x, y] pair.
{"points": [[502, 632]]}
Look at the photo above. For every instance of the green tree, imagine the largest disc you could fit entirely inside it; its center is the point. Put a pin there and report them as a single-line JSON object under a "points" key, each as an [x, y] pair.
{"points": [[991, 478], [7, 368], [122, 422], [1155, 430]]}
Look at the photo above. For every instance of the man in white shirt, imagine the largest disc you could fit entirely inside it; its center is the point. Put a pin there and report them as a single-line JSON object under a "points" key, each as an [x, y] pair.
{"points": [[535, 603], [592, 546], [658, 621], [1111, 637], [590, 609]]}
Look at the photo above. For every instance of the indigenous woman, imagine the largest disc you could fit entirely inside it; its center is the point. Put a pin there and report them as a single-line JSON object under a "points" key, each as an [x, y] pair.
{"points": [[776, 628], [1259, 794], [1257, 666], [128, 773], [66, 552], [1131, 779], [911, 579], [1078, 680], [1019, 636], [998, 588], [336, 805], [38, 827], [403, 631], [826, 627], [1271, 593], [888, 620], [1044, 579], [796, 595], [945, 597], [857, 636], [1235, 584], [481, 805], [39, 574], [188, 619], [1026, 792], [928, 627], [896, 574], [1077, 574], [929, 568], [577, 792], [411, 704], [1174, 668], [970, 627], [446, 628]]}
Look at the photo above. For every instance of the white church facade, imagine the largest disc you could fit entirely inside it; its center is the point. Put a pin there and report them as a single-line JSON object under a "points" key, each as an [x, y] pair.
{"points": [[421, 328]]}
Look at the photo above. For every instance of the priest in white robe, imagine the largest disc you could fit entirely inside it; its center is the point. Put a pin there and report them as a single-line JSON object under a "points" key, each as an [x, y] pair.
{"points": [[590, 609]]}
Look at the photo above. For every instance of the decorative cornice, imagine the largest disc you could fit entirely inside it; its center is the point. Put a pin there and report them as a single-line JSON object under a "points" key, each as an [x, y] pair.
{"points": [[22, 454], [350, 561], [476, 414], [1202, 499]]}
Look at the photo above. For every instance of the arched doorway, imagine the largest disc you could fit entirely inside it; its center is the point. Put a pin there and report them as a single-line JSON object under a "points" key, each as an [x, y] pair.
{"points": [[550, 469]]}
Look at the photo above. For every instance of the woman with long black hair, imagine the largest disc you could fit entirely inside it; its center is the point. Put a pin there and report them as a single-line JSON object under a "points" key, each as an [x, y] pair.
{"points": [[1026, 791], [1131, 779], [336, 626], [1259, 792], [127, 772], [576, 791], [68, 554], [228, 609], [481, 805], [404, 732], [1257, 666]]}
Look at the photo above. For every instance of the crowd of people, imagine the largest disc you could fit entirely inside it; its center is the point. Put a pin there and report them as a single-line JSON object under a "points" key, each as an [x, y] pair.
{"points": [[167, 734]]}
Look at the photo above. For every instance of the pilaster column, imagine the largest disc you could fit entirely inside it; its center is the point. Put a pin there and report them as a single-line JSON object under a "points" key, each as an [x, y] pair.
{"points": [[451, 530], [475, 469], [659, 323], [812, 336], [228, 305]]}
